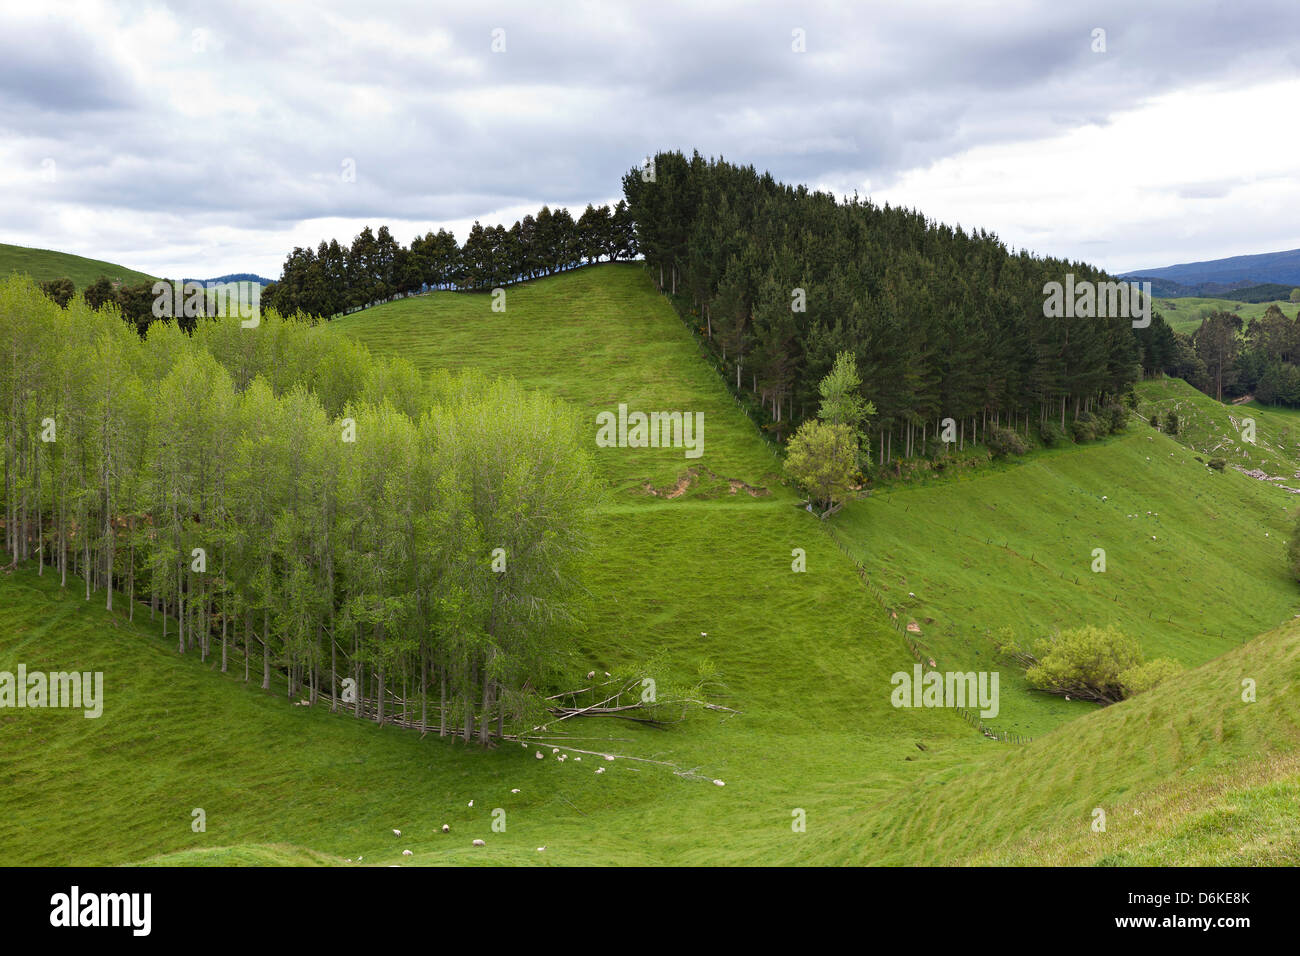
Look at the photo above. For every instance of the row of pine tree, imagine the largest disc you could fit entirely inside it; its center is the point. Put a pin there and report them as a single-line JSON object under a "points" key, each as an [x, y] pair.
{"points": [[943, 323], [376, 267]]}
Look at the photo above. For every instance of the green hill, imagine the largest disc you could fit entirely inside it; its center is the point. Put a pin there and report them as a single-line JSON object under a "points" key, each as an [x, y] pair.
{"points": [[1216, 430], [1185, 314], [44, 264], [698, 584]]}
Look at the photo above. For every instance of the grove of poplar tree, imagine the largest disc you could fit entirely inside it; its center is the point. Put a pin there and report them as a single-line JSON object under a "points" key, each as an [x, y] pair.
{"points": [[284, 500]]}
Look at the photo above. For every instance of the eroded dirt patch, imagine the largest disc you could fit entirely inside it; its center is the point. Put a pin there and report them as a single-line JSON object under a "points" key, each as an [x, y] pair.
{"points": [[691, 476]]}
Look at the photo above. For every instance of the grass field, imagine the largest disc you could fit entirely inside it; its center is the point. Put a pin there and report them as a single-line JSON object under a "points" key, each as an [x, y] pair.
{"points": [[1184, 314], [701, 585], [1216, 430], [44, 264]]}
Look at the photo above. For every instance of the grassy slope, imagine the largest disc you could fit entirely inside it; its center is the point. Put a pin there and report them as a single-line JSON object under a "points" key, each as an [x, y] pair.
{"points": [[1187, 774], [42, 264], [1200, 568], [1216, 430], [595, 337], [807, 658], [803, 656], [1184, 314]]}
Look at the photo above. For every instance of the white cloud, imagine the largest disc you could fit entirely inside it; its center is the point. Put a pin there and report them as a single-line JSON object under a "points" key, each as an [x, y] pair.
{"points": [[1197, 174]]}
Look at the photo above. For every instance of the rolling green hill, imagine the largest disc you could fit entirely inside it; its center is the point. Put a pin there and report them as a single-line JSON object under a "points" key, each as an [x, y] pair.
{"points": [[1216, 430], [1185, 314], [44, 264], [698, 584]]}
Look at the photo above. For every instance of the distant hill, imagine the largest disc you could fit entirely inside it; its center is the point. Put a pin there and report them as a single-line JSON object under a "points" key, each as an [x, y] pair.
{"points": [[252, 277], [1216, 277], [1266, 292], [43, 264]]}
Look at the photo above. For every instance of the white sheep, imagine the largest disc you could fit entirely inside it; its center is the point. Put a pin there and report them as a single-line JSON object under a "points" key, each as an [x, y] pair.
{"points": [[397, 833], [406, 853], [479, 843], [445, 828]]}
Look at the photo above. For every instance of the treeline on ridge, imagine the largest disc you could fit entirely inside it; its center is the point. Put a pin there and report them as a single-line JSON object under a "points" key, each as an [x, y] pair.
{"points": [[376, 268], [942, 322]]}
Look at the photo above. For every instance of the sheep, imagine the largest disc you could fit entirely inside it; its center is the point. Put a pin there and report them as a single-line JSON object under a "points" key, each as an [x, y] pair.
{"points": [[540, 755], [445, 828], [540, 849], [471, 803], [515, 790], [719, 783], [479, 843], [397, 833], [602, 769], [406, 853]]}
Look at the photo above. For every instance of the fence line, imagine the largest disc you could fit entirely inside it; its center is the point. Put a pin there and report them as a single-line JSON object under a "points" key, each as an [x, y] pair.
{"points": [[914, 646]]}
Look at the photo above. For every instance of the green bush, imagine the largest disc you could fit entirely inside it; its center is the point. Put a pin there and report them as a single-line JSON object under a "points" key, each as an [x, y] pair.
{"points": [[1218, 464], [1082, 429], [1004, 441], [1116, 417], [1145, 676], [1085, 662], [1052, 434], [1171, 423]]}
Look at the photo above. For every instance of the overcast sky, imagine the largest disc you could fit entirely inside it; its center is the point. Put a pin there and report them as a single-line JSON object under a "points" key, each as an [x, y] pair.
{"points": [[197, 139]]}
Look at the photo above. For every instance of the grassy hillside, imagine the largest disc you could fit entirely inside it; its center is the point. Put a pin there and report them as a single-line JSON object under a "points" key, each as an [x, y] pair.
{"points": [[1184, 314], [1187, 774], [596, 337], [43, 264], [699, 586], [1195, 559], [1216, 430]]}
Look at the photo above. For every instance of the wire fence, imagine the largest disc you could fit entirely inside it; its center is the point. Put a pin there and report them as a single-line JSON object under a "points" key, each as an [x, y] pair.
{"points": [[922, 654]]}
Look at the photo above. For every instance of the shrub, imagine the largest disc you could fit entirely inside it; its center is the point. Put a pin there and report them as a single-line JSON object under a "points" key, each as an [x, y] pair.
{"points": [[1051, 433], [1116, 417], [822, 460], [1171, 423], [1145, 676], [1083, 429], [1218, 464], [1085, 662], [1004, 441]]}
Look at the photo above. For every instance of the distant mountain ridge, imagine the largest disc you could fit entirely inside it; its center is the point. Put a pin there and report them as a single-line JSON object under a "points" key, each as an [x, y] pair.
{"points": [[236, 277], [1219, 277]]}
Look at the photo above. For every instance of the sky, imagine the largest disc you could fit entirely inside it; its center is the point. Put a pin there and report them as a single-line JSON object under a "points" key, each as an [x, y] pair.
{"points": [[199, 139]]}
